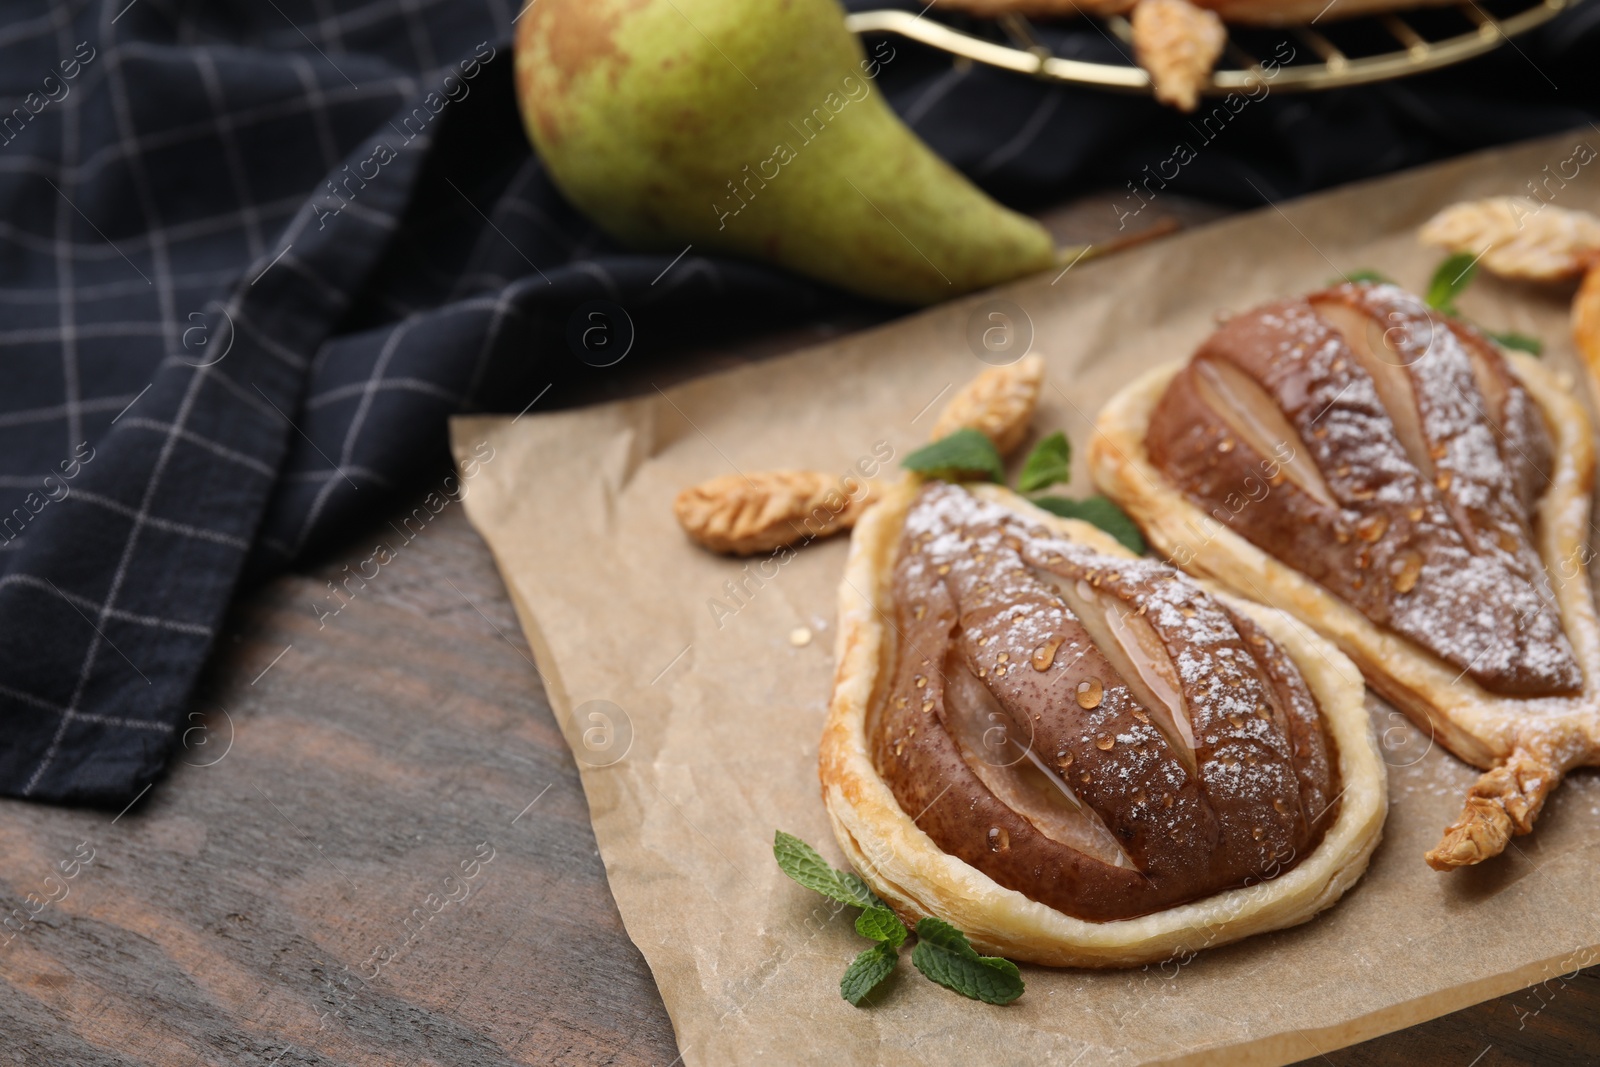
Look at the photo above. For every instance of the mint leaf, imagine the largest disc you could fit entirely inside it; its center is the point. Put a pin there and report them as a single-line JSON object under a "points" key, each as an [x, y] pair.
{"points": [[867, 970], [946, 957], [802, 863], [863, 894], [881, 924], [1101, 512], [1450, 280], [1519, 341], [965, 452], [1364, 275], [1049, 462]]}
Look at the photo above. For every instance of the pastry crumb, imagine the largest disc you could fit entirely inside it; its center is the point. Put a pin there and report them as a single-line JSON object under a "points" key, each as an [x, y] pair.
{"points": [[1178, 43]]}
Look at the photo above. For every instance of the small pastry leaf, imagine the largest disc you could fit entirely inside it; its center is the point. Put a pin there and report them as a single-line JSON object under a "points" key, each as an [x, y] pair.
{"points": [[1050, 462], [1101, 512], [945, 956], [867, 970], [1450, 280], [881, 924], [802, 863], [965, 452]]}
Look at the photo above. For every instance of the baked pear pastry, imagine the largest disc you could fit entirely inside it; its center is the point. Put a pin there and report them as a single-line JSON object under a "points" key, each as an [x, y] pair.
{"points": [[1079, 756], [1392, 478]]}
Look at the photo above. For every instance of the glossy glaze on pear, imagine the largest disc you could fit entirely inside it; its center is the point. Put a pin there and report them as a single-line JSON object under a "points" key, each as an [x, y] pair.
{"points": [[1402, 463], [1093, 731]]}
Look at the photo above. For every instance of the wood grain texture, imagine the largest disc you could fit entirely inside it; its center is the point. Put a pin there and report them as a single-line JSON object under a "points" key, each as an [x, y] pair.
{"points": [[268, 902], [217, 918]]}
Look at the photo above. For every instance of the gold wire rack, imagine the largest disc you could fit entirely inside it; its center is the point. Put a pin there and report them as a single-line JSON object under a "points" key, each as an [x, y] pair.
{"points": [[1418, 49]]}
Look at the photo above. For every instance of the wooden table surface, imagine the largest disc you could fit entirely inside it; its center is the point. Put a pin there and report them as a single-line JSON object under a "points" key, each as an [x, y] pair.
{"points": [[374, 849]]}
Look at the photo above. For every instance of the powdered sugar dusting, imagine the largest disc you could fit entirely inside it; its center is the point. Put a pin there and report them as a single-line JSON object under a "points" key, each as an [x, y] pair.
{"points": [[1444, 555], [998, 566]]}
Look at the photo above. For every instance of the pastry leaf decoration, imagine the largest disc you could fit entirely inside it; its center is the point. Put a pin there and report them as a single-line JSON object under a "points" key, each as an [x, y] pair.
{"points": [[1098, 511], [945, 956], [943, 953], [966, 452], [1450, 280], [1049, 463]]}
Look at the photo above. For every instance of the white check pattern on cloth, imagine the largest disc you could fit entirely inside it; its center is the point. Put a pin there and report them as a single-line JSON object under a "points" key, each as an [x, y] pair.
{"points": [[209, 372]]}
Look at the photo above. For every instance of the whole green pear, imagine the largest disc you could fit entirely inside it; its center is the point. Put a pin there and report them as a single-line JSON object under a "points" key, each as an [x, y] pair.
{"points": [[755, 127]]}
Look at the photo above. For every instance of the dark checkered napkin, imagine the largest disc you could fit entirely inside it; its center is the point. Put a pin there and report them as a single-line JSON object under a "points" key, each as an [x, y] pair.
{"points": [[253, 255]]}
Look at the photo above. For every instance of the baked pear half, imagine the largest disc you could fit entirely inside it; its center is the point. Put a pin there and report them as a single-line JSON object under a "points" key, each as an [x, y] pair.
{"points": [[1393, 479], [1078, 756]]}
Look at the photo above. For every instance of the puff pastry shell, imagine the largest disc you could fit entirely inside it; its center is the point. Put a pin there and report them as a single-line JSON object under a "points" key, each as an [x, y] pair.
{"points": [[911, 873]]}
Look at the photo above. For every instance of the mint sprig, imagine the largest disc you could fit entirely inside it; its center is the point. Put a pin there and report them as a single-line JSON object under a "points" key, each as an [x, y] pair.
{"points": [[802, 863], [942, 953], [963, 454], [1050, 462], [1450, 279], [867, 970], [1098, 511], [1365, 275], [967, 453], [945, 956], [1521, 342], [881, 924]]}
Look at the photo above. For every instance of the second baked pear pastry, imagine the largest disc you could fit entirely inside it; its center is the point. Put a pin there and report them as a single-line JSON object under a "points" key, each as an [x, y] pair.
{"points": [[1393, 478]]}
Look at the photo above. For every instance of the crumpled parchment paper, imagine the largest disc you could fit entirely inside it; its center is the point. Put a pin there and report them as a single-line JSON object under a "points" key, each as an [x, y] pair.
{"points": [[695, 715]]}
